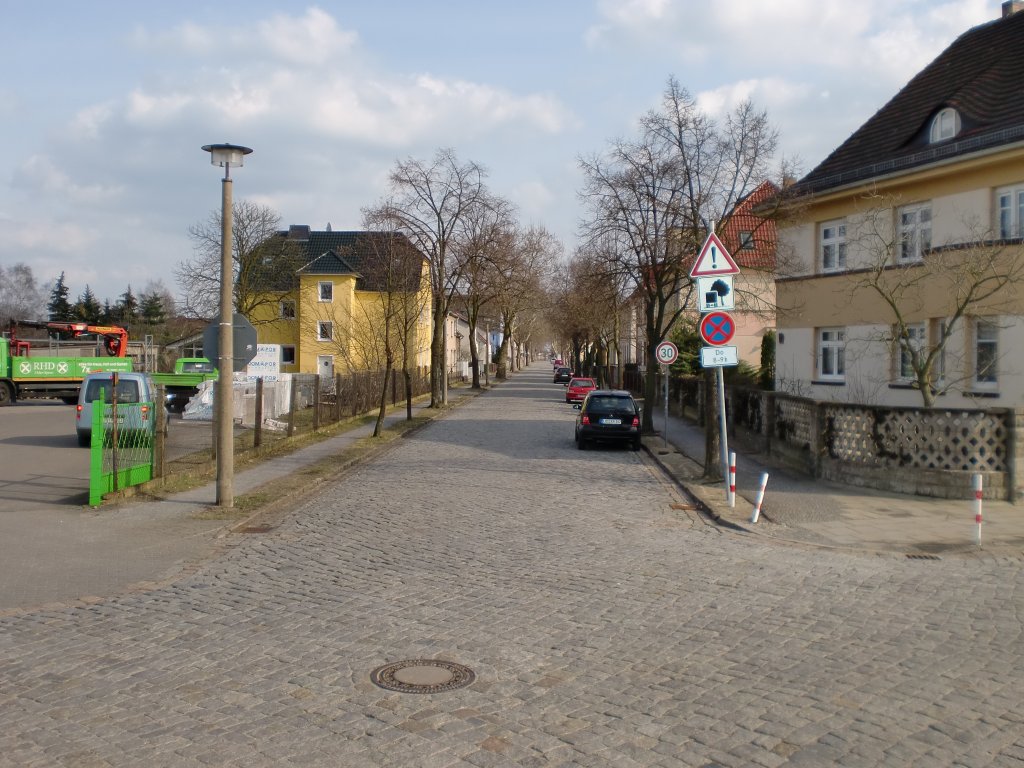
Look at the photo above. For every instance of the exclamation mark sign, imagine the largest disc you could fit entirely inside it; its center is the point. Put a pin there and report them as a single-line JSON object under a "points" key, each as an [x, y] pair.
{"points": [[714, 258]]}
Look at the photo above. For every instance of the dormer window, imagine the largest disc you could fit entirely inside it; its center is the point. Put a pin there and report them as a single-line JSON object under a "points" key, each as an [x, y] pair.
{"points": [[945, 125]]}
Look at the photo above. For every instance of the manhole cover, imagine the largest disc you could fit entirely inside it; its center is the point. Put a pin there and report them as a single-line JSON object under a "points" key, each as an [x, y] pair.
{"points": [[422, 676]]}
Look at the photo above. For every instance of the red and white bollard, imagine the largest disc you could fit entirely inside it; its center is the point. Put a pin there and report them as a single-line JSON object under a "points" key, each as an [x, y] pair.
{"points": [[760, 498], [976, 482], [732, 480]]}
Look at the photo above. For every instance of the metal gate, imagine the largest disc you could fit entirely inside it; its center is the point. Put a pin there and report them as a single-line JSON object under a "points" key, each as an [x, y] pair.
{"points": [[121, 452]]}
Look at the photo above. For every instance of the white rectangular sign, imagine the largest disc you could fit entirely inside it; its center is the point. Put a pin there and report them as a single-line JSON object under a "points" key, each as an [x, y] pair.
{"points": [[715, 293], [718, 357], [266, 364]]}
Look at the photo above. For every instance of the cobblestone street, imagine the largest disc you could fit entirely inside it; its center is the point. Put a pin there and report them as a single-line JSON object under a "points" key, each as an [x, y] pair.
{"points": [[606, 626]]}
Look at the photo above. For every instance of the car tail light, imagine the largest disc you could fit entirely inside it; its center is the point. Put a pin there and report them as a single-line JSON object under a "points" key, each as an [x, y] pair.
{"points": [[636, 421], [78, 410], [145, 412], [586, 420]]}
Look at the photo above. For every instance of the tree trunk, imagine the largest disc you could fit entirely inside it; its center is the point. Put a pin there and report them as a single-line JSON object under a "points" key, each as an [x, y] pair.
{"points": [[712, 442], [379, 426], [437, 355], [407, 375]]}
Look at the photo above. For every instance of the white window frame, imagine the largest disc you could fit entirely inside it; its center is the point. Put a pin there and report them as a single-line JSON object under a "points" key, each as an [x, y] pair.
{"points": [[832, 245], [286, 309], [986, 337], [325, 291], [1010, 211], [918, 337], [914, 226], [287, 354], [945, 125], [324, 330], [831, 354]]}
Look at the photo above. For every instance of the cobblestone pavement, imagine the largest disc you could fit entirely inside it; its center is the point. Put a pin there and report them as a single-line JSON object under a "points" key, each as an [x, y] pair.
{"points": [[606, 624]]}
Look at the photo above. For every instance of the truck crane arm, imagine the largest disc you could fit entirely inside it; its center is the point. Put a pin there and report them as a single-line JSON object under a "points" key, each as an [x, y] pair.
{"points": [[115, 338]]}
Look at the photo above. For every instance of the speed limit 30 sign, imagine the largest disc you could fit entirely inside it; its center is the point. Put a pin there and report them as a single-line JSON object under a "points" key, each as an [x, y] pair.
{"points": [[667, 352]]}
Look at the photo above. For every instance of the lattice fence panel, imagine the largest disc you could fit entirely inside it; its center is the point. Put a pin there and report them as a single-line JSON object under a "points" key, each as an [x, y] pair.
{"points": [[793, 421], [924, 439]]}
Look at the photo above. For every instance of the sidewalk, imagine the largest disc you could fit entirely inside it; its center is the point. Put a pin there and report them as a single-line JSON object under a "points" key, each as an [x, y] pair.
{"points": [[801, 509], [139, 543]]}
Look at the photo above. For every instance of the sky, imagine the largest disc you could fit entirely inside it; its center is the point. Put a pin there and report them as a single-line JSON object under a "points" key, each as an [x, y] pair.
{"points": [[105, 105]]}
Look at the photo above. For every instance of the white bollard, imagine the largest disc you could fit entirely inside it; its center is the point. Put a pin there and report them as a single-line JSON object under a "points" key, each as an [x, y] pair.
{"points": [[760, 498], [976, 482], [732, 479]]}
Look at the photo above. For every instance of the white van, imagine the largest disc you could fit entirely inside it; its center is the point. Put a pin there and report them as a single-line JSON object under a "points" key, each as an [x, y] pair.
{"points": [[134, 390]]}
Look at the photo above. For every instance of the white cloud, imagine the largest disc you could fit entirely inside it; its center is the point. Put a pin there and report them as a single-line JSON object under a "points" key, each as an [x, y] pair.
{"points": [[38, 173], [311, 40]]}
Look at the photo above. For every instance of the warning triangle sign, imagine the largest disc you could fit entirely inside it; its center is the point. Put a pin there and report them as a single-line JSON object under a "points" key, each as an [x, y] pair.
{"points": [[714, 260]]}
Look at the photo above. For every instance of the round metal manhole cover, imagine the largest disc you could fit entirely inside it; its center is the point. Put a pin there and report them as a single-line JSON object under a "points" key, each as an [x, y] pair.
{"points": [[422, 676]]}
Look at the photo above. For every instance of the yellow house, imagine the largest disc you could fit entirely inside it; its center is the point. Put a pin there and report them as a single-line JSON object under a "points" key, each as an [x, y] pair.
{"points": [[352, 299]]}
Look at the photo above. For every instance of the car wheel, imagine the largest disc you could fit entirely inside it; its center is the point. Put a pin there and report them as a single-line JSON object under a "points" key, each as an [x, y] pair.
{"points": [[636, 445], [84, 440], [6, 393], [581, 443]]}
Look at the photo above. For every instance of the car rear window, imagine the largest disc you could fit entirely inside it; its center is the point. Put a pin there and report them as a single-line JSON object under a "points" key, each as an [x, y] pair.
{"points": [[127, 391], [609, 404], [582, 382]]}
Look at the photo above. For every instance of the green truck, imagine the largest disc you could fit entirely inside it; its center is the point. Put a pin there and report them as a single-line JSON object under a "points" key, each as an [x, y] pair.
{"points": [[182, 385], [23, 376]]}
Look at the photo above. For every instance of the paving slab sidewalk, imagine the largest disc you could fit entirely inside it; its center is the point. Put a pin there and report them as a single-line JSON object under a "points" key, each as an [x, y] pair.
{"points": [[801, 509]]}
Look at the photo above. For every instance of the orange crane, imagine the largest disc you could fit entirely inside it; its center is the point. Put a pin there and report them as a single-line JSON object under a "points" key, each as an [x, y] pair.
{"points": [[115, 338]]}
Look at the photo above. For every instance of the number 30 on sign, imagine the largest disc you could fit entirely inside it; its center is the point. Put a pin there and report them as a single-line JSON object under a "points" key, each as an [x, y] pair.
{"points": [[667, 352]]}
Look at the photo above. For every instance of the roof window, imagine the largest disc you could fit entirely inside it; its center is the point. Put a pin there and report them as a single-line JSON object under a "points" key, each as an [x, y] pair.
{"points": [[945, 125]]}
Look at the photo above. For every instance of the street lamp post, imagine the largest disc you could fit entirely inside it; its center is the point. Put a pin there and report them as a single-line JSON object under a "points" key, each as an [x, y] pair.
{"points": [[227, 156]]}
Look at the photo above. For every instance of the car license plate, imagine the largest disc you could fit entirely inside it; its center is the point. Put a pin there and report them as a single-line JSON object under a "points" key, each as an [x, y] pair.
{"points": [[611, 421]]}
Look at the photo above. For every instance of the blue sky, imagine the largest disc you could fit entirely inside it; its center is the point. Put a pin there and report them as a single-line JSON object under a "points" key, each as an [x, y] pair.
{"points": [[104, 105]]}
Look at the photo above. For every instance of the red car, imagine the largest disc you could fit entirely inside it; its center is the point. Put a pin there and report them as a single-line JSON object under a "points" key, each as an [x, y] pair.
{"points": [[577, 389]]}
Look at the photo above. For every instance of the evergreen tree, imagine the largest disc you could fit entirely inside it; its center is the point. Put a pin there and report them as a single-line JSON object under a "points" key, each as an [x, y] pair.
{"points": [[59, 308], [88, 308], [151, 309], [108, 314], [128, 307]]}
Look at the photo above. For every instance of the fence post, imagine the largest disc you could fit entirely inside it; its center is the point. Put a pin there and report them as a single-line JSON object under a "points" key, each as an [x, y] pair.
{"points": [[257, 430], [293, 401], [1014, 453], [159, 434], [316, 402], [817, 433]]}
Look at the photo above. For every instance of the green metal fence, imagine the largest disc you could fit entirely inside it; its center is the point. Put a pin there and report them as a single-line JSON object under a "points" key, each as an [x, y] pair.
{"points": [[121, 452]]}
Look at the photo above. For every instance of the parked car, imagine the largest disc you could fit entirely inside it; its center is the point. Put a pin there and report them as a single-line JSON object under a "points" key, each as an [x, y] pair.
{"points": [[134, 392], [578, 389], [563, 374], [608, 415]]}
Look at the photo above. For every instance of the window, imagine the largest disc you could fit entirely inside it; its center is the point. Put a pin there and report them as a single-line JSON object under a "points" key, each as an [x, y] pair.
{"points": [[915, 231], [916, 340], [831, 354], [746, 240], [287, 308], [986, 349], [1011, 212], [833, 246], [287, 354], [326, 291], [324, 330], [945, 125], [939, 329]]}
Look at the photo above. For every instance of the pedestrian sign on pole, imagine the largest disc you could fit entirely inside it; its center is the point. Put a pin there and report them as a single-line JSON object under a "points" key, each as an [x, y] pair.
{"points": [[714, 259]]}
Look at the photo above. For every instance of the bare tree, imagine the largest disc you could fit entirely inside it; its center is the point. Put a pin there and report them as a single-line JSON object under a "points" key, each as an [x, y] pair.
{"points": [[657, 197], [927, 296], [21, 297], [430, 203], [264, 264], [519, 280]]}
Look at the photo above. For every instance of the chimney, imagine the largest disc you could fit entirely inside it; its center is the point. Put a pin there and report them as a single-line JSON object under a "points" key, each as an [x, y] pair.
{"points": [[298, 232], [1011, 7]]}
